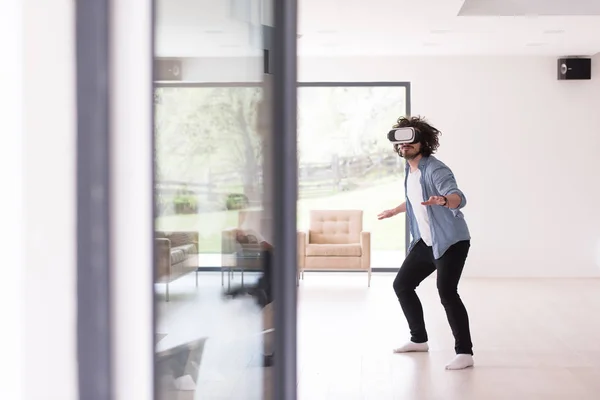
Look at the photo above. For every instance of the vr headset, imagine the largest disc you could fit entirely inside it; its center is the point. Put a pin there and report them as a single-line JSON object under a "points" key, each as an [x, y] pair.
{"points": [[404, 136]]}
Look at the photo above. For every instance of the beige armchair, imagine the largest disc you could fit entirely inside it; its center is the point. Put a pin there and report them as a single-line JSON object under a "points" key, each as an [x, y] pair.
{"points": [[335, 242]]}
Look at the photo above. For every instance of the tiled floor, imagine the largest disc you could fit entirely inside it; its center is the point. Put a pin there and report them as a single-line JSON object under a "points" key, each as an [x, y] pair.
{"points": [[534, 339]]}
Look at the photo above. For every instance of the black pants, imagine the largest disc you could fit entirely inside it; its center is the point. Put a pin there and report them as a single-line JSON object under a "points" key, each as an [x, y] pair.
{"points": [[417, 266], [262, 291], [266, 280]]}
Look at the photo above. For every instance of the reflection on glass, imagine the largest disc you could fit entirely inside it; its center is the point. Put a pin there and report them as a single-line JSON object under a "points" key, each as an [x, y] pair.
{"points": [[208, 160], [346, 163], [212, 243], [212, 253]]}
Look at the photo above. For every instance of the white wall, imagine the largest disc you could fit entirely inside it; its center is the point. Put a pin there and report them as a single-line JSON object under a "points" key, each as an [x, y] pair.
{"points": [[523, 145], [11, 175], [38, 201], [222, 69]]}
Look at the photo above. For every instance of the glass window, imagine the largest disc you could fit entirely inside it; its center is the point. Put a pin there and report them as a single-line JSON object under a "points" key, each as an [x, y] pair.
{"points": [[345, 161]]}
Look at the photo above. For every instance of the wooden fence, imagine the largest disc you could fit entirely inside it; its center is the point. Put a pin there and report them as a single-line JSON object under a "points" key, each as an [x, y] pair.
{"points": [[314, 180]]}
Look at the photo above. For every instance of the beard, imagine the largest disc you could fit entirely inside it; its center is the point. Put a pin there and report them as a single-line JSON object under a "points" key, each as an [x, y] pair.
{"points": [[410, 154]]}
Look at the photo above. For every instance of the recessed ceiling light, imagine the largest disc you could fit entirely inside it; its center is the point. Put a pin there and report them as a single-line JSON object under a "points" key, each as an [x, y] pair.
{"points": [[554, 31], [213, 31], [439, 31]]}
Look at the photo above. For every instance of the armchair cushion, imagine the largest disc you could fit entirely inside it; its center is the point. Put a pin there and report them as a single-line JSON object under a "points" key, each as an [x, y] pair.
{"points": [[188, 249], [182, 238], [177, 256], [336, 250], [335, 226]]}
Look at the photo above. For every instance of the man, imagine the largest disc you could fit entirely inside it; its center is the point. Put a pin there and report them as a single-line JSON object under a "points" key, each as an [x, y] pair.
{"points": [[441, 240], [262, 291]]}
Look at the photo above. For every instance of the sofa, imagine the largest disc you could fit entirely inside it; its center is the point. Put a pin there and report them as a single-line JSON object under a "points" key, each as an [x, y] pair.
{"points": [[335, 241], [176, 255]]}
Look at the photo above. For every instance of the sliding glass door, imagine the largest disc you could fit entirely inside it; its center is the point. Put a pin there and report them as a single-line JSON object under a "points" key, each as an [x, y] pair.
{"points": [[225, 315]]}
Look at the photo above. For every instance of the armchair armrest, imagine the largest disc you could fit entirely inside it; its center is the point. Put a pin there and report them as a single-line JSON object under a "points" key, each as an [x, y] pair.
{"points": [[228, 241], [365, 244], [191, 237], [228, 248], [302, 242], [196, 240], [163, 257], [194, 236]]}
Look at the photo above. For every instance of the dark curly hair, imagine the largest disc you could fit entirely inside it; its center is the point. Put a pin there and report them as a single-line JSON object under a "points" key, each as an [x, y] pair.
{"points": [[429, 134]]}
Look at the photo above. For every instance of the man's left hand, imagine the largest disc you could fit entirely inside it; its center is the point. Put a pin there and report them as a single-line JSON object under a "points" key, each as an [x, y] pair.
{"points": [[435, 201]]}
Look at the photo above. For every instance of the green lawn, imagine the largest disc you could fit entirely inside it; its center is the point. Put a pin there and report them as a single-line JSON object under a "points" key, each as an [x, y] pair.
{"points": [[386, 235]]}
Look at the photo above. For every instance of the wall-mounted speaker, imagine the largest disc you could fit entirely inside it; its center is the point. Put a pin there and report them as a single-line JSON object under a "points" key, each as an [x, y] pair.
{"points": [[267, 62], [268, 37], [574, 69], [167, 69]]}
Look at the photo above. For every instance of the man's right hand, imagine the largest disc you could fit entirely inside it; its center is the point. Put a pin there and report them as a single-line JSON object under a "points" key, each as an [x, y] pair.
{"points": [[386, 214], [394, 211]]}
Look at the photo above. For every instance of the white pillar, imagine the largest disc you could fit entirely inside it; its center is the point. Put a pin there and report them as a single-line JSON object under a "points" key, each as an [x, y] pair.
{"points": [[131, 199], [11, 176], [38, 301]]}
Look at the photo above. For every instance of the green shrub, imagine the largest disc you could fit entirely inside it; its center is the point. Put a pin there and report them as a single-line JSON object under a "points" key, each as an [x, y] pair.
{"points": [[185, 203], [236, 201]]}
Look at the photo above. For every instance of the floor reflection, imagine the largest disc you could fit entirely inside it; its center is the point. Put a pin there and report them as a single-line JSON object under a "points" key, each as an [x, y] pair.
{"points": [[222, 337]]}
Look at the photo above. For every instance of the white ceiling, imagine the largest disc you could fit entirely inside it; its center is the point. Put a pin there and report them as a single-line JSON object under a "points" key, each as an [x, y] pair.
{"points": [[213, 28], [509, 8]]}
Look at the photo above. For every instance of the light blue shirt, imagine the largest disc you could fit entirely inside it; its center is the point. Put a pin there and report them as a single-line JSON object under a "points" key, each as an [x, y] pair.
{"points": [[448, 226]]}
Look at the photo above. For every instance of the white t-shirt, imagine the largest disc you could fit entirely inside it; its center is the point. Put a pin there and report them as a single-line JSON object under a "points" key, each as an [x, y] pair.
{"points": [[415, 195]]}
